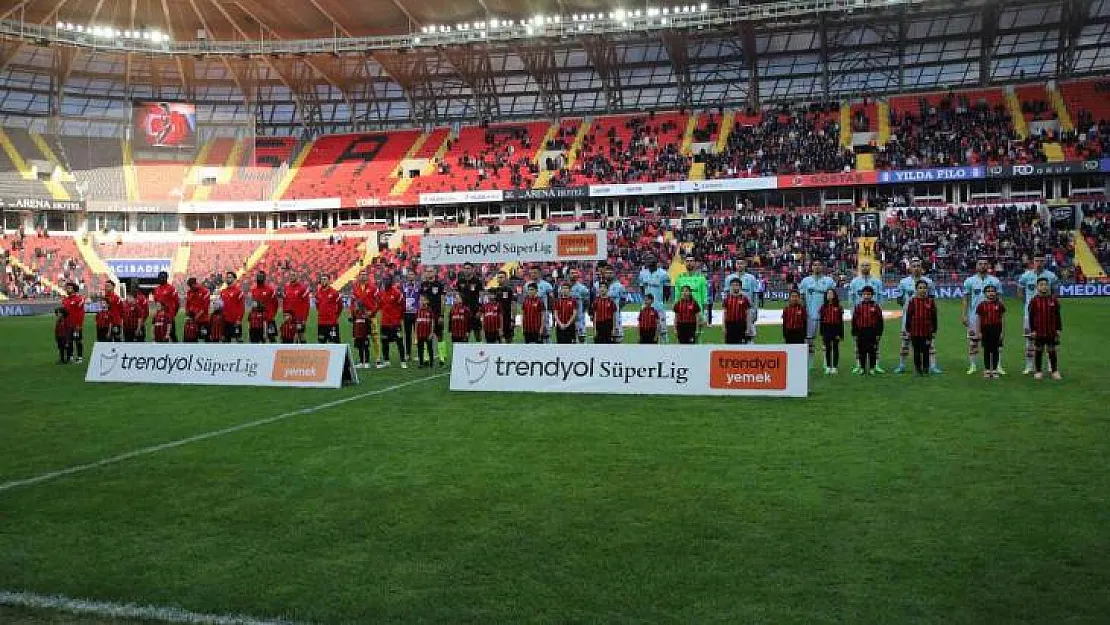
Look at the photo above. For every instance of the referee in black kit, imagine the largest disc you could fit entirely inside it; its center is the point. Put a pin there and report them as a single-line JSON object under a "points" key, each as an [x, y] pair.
{"points": [[431, 287], [469, 287]]}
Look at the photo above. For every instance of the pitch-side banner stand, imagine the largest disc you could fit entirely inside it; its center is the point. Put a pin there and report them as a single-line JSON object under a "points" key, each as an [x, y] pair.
{"points": [[748, 370], [303, 366], [526, 247]]}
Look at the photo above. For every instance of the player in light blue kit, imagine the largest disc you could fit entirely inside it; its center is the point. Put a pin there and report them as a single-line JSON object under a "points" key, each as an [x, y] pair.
{"points": [[974, 294], [580, 293], [544, 291], [1027, 289], [907, 288], [813, 288], [855, 296], [655, 280], [617, 293]]}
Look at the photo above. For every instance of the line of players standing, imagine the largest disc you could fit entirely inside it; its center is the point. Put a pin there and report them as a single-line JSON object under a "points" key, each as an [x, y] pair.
{"points": [[813, 310]]}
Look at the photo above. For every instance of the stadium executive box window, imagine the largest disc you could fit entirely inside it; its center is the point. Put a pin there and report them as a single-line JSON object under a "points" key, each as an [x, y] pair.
{"points": [[158, 223]]}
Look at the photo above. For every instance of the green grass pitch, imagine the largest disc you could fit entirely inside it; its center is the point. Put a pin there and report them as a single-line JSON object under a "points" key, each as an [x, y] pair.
{"points": [[888, 500]]}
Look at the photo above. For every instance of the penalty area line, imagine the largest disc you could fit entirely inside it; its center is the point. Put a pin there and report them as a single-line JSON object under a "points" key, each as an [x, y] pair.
{"points": [[130, 611], [145, 451]]}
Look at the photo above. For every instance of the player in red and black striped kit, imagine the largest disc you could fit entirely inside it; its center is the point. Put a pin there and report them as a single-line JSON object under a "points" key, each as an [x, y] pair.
{"points": [[289, 329], [566, 316], [794, 320], [459, 322], [649, 321], [360, 332], [687, 317], [427, 321], [832, 330], [603, 311], [131, 319], [921, 325], [256, 323], [114, 305], [738, 315], [989, 317], [162, 325], [532, 313], [491, 320], [63, 334], [1045, 324], [867, 329]]}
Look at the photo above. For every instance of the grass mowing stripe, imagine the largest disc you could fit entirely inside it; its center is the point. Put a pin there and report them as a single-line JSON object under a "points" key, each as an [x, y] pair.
{"points": [[46, 477], [127, 610]]}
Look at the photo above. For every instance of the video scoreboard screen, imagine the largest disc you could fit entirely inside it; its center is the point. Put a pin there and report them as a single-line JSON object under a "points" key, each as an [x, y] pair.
{"points": [[164, 124]]}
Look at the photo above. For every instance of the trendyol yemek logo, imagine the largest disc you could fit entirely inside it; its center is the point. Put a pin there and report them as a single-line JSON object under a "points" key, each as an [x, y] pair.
{"points": [[476, 369]]}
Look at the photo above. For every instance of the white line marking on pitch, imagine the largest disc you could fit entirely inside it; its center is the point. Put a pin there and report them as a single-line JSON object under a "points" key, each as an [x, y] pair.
{"points": [[129, 611], [46, 477]]}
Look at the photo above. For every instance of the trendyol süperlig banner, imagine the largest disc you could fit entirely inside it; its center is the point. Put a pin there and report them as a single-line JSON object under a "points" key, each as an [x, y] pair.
{"points": [[543, 246], [319, 366], [767, 370]]}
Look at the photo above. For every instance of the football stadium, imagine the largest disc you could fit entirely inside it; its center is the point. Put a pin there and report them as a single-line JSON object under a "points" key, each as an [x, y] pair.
{"points": [[561, 311]]}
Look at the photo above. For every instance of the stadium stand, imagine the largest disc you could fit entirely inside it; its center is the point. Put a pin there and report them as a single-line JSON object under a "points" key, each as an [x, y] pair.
{"points": [[285, 257], [787, 140], [351, 166], [53, 259], [256, 171], [96, 163], [486, 157], [637, 148], [161, 181], [135, 250]]}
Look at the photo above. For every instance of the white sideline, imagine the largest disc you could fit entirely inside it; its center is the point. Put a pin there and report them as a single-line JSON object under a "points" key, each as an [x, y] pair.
{"points": [[46, 477], [105, 609]]}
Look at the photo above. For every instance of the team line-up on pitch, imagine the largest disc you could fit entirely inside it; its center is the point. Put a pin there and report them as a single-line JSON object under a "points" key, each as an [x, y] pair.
{"points": [[419, 317]]}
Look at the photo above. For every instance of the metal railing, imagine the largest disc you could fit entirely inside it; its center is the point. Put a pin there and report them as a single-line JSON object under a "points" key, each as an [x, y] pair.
{"points": [[505, 31]]}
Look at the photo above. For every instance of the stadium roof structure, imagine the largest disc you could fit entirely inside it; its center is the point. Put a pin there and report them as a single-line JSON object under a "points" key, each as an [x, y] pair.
{"points": [[337, 65]]}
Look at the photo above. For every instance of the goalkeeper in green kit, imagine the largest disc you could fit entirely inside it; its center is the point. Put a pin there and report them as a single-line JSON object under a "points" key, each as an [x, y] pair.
{"points": [[694, 279]]}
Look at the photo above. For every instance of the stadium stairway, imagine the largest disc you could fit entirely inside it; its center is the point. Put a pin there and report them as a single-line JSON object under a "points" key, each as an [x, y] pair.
{"points": [[543, 180], [846, 124], [882, 109], [228, 169], [402, 185], [369, 252], [688, 135], [1061, 108], [865, 162], [1086, 259], [727, 121], [294, 167], [413, 150], [1053, 152], [180, 264], [865, 253], [56, 188], [253, 259], [576, 147], [697, 172], [92, 260], [1021, 127], [200, 191], [130, 177]]}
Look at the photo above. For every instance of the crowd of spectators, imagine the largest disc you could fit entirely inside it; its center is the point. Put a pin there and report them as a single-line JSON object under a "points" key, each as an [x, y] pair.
{"points": [[789, 140], [1096, 228], [951, 241], [641, 153], [954, 132]]}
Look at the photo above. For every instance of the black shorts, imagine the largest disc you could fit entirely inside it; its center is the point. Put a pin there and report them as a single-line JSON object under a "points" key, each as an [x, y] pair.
{"points": [[115, 333], [271, 330], [648, 337], [603, 332], [78, 334], [1046, 341], [391, 334], [327, 333], [202, 333], [493, 337], [736, 333], [687, 333], [256, 335], [532, 337], [832, 332], [565, 336], [794, 337], [508, 327], [233, 331], [363, 342], [129, 336]]}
